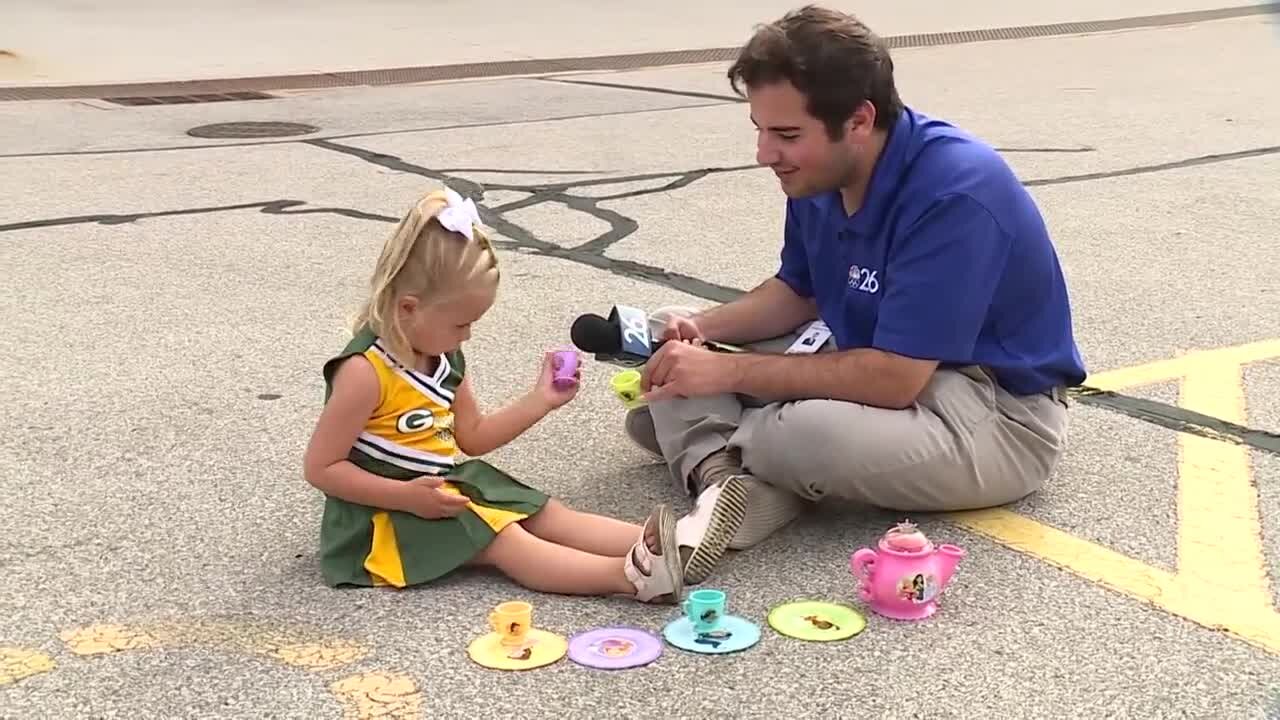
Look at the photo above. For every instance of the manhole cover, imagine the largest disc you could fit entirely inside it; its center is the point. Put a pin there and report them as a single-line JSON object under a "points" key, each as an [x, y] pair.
{"points": [[251, 130]]}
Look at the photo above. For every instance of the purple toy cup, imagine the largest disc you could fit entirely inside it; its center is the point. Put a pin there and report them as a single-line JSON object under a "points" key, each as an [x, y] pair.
{"points": [[564, 369]]}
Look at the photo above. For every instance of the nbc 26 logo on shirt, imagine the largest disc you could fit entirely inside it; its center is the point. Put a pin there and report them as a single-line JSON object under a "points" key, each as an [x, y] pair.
{"points": [[864, 279]]}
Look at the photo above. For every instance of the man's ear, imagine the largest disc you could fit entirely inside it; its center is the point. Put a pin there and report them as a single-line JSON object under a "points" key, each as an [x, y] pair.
{"points": [[862, 121]]}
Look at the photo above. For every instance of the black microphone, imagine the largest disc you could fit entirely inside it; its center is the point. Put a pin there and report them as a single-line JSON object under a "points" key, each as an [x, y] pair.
{"points": [[623, 338], [594, 334]]}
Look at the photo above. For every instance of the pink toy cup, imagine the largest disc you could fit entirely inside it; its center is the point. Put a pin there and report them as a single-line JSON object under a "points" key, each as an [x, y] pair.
{"points": [[564, 369]]}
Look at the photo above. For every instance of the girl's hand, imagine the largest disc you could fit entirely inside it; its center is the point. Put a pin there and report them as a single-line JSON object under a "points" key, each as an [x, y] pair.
{"points": [[424, 498], [549, 394]]}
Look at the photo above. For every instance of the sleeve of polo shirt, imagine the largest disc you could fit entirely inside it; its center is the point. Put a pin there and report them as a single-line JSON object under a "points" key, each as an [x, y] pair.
{"points": [[940, 282], [795, 262]]}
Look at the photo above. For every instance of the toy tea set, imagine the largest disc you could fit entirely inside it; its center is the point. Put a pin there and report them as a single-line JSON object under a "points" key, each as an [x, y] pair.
{"points": [[902, 579]]}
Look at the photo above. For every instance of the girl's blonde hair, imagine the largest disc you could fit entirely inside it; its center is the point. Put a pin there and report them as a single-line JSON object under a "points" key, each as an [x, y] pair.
{"points": [[427, 260]]}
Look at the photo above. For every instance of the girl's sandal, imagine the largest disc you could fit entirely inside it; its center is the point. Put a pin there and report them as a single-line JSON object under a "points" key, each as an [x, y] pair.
{"points": [[659, 578]]}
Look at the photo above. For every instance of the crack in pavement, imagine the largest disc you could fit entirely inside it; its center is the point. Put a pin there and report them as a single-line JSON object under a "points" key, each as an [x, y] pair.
{"points": [[1177, 418], [646, 88], [269, 207], [592, 252], [1210, 159], [510, 171]]}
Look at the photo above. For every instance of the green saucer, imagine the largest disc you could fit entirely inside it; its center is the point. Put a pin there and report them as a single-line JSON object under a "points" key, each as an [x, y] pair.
{"points": [[816, 620]]}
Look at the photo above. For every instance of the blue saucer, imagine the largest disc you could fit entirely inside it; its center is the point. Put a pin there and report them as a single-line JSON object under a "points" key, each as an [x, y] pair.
{"points": [[733, 634]]}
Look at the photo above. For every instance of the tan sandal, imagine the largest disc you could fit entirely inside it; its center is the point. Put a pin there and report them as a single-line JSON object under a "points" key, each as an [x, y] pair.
{"points": [[659, 578]]}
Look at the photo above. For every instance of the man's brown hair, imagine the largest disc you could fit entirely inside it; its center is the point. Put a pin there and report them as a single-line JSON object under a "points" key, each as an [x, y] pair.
{"points": [[830, 57]]}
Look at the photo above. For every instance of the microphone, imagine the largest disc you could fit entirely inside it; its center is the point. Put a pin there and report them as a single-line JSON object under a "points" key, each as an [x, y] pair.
{"points": [[623, 338]]}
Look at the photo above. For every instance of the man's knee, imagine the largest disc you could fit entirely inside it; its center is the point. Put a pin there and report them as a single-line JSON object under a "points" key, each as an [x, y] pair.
{"points": [[638, 425], [796, 445], [906, 460]]}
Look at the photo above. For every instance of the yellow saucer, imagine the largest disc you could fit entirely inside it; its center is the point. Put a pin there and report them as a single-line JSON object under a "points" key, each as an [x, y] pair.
{"points": [[541, 648]]}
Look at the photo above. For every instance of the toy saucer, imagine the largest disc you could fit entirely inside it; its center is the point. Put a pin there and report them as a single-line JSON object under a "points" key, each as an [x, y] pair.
{"points": [[734, 634], [541, 648], [816, 620], [614, 648]]}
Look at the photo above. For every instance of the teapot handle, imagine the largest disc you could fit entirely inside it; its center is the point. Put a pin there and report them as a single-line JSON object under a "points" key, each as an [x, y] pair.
{"points": [[862, 564]]}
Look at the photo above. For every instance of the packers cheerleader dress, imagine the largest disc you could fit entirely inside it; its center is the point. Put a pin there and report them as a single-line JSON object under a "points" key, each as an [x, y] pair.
{"points": [[410, 434]]}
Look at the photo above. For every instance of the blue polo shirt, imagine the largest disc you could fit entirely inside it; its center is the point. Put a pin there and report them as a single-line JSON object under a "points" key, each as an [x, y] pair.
{"points": [[948, 259]]}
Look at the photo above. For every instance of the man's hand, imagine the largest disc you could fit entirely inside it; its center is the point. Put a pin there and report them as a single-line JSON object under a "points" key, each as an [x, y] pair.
{"points": [[686, 369], [680, 327], [769, 310]]}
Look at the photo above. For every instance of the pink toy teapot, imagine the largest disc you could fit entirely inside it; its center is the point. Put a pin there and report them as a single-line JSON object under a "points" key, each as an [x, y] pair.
{"points": [[903, 579]]}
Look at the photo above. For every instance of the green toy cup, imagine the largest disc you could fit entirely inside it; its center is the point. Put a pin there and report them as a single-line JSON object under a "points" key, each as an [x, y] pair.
{"points": [[626, 385]]}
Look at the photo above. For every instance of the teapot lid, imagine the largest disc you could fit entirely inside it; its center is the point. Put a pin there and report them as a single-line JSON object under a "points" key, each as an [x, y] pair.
{"points": [[905, 537]]}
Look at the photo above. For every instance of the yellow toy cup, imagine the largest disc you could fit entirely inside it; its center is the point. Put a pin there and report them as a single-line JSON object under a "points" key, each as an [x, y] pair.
{"points": [[626, 385], [512, 620]]}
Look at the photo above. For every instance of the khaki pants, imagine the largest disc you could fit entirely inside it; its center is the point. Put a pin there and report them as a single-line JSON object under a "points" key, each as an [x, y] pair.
{"points": [[966, 443]]}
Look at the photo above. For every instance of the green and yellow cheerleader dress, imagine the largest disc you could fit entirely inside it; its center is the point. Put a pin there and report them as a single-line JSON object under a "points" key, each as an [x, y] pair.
{"points": [[409, 435]]}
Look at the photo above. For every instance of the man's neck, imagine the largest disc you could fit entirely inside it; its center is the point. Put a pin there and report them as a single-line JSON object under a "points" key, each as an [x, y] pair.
{"points": [[854, 191]]}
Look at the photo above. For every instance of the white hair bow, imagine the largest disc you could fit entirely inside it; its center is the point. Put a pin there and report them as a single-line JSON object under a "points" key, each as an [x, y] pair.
{"points": [[461, 215]]}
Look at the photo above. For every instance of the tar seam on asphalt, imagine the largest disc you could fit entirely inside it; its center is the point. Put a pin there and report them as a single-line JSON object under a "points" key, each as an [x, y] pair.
{"points": [[592, 252], [647, 88], [349, 136]]}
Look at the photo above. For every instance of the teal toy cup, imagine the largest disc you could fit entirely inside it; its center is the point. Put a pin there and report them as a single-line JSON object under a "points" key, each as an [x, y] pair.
{"points": [[704, 608]]}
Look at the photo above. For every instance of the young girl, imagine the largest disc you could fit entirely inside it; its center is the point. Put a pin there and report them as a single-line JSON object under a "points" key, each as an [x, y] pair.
{"points": [[400, 509]]}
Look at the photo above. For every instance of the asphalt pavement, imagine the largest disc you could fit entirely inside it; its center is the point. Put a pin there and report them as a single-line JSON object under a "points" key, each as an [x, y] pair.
{"points": [[171, 299]]}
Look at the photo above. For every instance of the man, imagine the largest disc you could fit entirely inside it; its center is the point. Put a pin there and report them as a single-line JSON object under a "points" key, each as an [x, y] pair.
{"points": [[935, 378]]}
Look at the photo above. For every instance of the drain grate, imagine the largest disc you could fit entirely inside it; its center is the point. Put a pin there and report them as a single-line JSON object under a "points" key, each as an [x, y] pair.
{"points": [[241, 130], [139, 100]]}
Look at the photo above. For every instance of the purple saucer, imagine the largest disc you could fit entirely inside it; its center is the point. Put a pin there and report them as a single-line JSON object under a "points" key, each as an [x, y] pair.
{"points": [[614, 648]]}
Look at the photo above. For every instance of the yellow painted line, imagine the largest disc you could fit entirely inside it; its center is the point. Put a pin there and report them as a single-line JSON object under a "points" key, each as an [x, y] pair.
{"points": [[101, 639], [289, 648], [1204, 603], [313, 656], [1219, 528], [1216, 608], [365, 696], [1089, 560], [1175, 368], [378, 695], [17, 664], [1221, 578]]}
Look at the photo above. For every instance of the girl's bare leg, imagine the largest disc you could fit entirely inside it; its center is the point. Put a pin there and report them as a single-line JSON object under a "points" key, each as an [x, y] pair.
{"points": [[583, 531], [544, 566]]}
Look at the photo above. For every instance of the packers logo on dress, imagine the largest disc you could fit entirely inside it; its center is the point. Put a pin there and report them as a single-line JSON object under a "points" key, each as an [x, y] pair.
{"points": [[415, 421]]}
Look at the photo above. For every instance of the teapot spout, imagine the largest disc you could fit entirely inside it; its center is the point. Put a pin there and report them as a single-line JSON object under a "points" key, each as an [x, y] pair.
{"points": [[948, 558]]}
